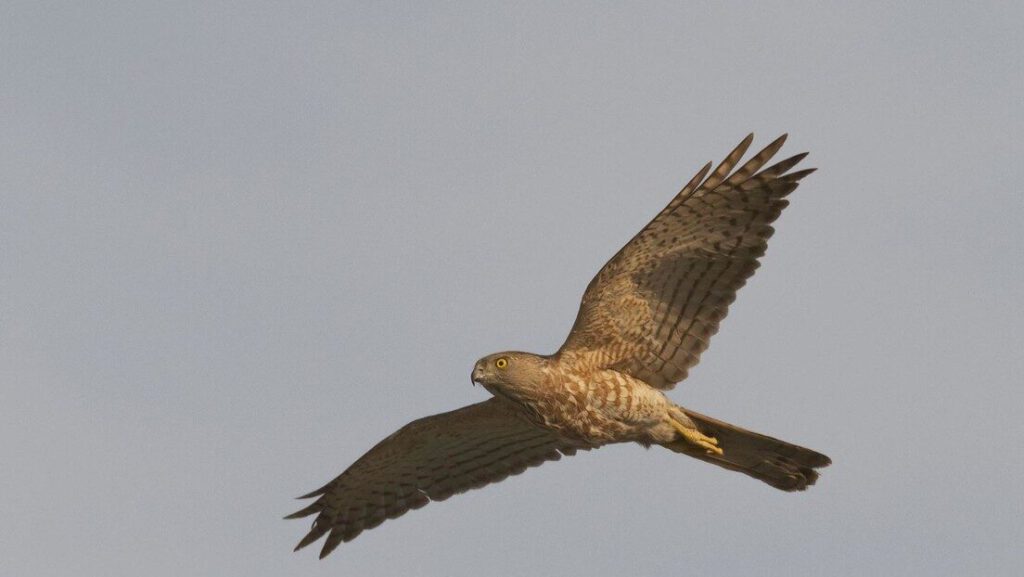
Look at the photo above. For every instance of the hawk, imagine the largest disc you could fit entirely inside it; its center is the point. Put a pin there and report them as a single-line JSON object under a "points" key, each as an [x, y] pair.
{"points": [[643, 322]]}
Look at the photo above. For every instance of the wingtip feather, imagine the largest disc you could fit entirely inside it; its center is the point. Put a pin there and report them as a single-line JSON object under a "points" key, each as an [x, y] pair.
{"points": [[795, 176], [741, 149], [305, 511], [314, 534], [334, 539], [316, 493]]}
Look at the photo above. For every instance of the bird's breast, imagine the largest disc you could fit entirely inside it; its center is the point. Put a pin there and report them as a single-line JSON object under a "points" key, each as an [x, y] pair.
{"points": [[597, 407]]}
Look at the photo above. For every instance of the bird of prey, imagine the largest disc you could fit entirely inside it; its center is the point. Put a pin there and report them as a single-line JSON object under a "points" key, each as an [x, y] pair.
{"points": [[643, 322]]}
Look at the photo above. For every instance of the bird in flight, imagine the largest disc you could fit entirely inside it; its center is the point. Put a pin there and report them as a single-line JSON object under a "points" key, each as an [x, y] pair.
{"points": [[643, 322]]}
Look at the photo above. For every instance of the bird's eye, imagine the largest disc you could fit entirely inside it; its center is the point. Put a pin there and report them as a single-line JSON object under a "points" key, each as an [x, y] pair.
{"points": [[501, 363]]}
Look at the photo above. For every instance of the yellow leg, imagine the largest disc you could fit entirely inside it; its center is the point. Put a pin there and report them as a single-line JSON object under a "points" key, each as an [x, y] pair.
{"points": [[694, 437]]}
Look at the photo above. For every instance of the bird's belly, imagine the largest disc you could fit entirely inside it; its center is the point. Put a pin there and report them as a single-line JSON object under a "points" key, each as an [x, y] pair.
{"points": [[602, 408]]}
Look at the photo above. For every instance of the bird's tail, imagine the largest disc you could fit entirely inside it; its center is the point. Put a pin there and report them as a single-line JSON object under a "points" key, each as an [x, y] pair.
{"points": [[780, 464]]}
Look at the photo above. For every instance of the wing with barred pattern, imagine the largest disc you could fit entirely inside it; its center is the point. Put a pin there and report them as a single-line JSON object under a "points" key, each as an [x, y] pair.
{"points": [[429, 459], [652, 309]]}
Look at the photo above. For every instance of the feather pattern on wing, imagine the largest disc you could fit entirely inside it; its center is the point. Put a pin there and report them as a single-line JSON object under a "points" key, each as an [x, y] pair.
{"points": [[652, 309], [429, 459]]}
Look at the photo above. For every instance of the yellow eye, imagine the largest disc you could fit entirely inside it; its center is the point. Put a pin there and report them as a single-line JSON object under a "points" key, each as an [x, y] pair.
{"points": [[501, 363]]}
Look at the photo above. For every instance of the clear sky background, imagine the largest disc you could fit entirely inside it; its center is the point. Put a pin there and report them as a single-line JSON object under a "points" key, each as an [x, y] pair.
{"points": [[241, 242]]}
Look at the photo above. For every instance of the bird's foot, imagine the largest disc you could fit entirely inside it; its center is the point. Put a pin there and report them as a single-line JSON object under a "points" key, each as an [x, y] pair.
{"points": [[695, 437]]}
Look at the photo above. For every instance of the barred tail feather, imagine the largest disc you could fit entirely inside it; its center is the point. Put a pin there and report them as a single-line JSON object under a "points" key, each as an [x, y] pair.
{"points": [[780, 464]]}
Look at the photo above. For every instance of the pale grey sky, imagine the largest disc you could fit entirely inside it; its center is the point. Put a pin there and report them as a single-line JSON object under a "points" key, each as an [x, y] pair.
{"points": [[241, 242]]}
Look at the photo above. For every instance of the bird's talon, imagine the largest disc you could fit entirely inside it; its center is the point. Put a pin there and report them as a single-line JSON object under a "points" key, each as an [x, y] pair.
{"points": [[695, 437]]}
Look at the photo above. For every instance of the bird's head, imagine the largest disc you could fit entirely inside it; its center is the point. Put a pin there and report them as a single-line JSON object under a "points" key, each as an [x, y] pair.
{"points": [[510, 373]]}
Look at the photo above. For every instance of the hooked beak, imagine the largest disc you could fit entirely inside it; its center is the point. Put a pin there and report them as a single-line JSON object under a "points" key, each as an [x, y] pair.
{"points": [[478, 374]]}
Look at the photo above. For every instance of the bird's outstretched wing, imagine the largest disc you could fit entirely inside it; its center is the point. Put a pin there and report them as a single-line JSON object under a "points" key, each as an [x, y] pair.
{"points": [[654, 306], [429, 459]]}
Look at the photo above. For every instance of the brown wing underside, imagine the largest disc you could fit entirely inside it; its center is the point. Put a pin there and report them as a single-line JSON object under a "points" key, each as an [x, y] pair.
{"points": [[654, 306], [430, 459]]}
